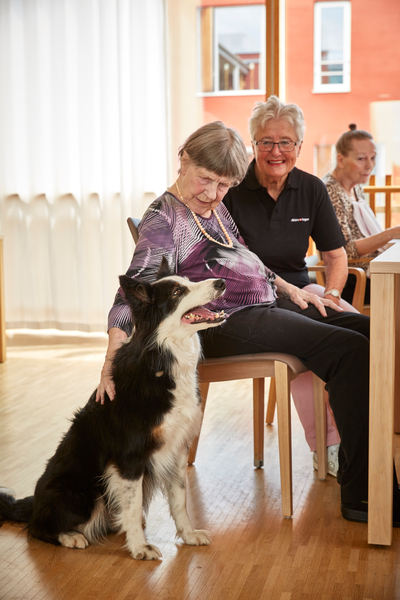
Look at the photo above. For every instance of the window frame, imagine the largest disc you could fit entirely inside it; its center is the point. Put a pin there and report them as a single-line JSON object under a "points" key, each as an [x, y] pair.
{"points": [[215, 59], [345, 86]]}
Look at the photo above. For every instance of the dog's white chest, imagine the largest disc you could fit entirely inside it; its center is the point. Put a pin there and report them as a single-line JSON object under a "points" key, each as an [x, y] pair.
{"points": [[182, 423], [186, 414]]}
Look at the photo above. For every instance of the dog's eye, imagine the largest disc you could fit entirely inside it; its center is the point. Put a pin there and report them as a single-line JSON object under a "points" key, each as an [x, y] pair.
{"points": [[177, 292]]}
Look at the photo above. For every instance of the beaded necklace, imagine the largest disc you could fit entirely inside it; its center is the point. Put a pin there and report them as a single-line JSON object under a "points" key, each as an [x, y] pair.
{"points": [[200, 226]]}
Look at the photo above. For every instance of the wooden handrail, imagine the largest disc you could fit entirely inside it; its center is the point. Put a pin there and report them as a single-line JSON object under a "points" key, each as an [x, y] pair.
{"points": [[388, 190], [383, 188]]}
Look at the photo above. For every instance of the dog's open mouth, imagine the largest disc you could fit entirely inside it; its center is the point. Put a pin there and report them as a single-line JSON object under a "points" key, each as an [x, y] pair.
{"points": [[200, 314]]}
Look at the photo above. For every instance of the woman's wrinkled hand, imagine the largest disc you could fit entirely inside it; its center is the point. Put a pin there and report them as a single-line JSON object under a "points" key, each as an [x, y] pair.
{"points": [[106, 384], [303, 299], [116, 337]]}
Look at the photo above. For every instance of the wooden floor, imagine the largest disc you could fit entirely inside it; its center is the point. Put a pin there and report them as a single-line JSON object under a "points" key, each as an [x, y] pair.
{"points": [[255, 554]]}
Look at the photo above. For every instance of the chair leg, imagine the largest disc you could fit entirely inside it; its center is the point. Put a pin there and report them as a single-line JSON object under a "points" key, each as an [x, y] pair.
{"points": [[258, 421], [284, 435], [320, 425], [203, 387], [271, 402]]}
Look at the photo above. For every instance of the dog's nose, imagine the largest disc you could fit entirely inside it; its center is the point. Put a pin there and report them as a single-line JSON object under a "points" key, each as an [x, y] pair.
{"points": [[219, 284]]}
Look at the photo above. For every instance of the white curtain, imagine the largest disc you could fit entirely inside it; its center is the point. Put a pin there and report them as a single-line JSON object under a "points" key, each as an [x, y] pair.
{"points": [[83, 145]]}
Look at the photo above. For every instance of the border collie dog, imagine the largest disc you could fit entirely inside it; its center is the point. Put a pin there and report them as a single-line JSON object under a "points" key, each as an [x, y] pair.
{"points": [[114, 456]]}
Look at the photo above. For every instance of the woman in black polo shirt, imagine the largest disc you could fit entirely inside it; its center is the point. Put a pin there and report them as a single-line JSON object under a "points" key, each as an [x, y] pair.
{"points": [[277, 208]]}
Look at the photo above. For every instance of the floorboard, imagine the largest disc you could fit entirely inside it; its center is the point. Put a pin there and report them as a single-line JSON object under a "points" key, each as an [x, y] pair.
{"points": [[255, 554]]}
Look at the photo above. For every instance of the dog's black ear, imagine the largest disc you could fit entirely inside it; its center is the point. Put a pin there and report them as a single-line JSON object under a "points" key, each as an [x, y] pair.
{"points": [[163, 270], [140, 290]]}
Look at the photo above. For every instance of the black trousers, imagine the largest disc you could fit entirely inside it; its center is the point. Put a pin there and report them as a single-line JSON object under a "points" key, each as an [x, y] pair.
{"points": [[336, 348]]}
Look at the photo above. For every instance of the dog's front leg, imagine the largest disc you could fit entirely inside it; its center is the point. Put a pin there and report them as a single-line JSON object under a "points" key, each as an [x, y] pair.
{"points": [[176, 490], [127, 498]]}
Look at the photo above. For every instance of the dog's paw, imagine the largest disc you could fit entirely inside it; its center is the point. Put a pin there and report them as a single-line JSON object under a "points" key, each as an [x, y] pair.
{"points": [[73, 539], [146, 552], [196, 537]]}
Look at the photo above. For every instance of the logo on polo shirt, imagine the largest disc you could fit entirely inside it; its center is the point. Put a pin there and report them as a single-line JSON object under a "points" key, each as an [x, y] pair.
{"points": [[305, 219]]}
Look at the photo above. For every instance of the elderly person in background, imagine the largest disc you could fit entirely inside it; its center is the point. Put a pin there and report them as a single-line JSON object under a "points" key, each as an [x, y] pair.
{"points": [[277, 208], [355, 160], [191, 227]]}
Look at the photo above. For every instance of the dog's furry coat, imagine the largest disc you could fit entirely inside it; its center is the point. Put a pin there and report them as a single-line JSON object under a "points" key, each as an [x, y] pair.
{"points": [[106, 468]]}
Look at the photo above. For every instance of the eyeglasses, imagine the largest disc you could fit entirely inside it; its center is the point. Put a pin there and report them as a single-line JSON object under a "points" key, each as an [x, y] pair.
{"points": [[268, 146]]}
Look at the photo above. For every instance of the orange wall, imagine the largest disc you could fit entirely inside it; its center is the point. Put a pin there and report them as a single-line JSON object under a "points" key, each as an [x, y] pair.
{"points": [[375, 62], [375, 73], [234, 111]]}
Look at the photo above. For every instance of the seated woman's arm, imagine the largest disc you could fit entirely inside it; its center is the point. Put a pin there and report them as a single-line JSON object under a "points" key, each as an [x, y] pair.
{"points": [[373, 242], [356, 246], [336, 270], [116, 337], [155, 240]]}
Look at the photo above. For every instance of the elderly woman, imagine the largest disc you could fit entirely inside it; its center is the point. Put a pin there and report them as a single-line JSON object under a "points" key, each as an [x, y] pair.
{"points": [[355, 160], [277, 208], [190, 226]]}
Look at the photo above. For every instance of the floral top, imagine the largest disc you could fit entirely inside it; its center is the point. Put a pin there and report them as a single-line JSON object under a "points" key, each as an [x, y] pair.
{"points": [[169, 229], [344, 211]]}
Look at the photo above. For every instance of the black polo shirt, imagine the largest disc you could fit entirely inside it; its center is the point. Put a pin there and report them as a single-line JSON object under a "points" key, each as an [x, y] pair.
{"points": [[279, 231]]}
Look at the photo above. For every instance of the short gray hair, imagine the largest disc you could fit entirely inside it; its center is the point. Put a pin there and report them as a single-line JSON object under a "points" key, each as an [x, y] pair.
{"points": [[273, 110], [344, 145], [218, 149]]}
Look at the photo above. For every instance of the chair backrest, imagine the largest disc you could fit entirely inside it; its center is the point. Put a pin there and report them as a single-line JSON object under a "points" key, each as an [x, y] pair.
{"points": [[133, 225]]}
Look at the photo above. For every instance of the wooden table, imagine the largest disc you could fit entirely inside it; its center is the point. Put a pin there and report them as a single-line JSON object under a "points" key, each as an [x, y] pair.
{"points": [[384, 391]]}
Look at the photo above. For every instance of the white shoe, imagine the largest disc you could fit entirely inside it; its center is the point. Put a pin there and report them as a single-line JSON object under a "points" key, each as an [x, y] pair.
{"points": [[332, 453]]}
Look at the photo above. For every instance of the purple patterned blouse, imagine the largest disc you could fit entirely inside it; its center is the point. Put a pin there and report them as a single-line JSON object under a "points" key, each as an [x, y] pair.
{"points": [[168, 228]]}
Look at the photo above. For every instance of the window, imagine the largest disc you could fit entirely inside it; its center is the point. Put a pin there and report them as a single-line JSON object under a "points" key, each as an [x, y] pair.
{"points": [[232, 49], [332, 29]]}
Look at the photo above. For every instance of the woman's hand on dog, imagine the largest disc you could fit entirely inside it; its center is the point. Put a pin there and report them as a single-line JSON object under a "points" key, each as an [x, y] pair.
{"points": [[106, 384], [116, 337]]}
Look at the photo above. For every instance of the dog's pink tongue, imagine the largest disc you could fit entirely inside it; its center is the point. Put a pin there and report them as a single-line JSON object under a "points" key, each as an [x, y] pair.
{"points": [[200, 314]]}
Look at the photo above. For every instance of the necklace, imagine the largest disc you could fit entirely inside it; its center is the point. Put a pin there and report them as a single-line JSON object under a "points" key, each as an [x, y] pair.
{"points": [[200, 226]]}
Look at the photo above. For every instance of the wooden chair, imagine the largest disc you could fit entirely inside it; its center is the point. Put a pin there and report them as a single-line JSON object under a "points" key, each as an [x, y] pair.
{"points": [[358, 303], [364, 308], [284, 368], [361, 281]]}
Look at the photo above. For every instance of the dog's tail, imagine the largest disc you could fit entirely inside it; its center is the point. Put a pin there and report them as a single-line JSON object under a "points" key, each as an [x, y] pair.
{"points": [[18, 511]]}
